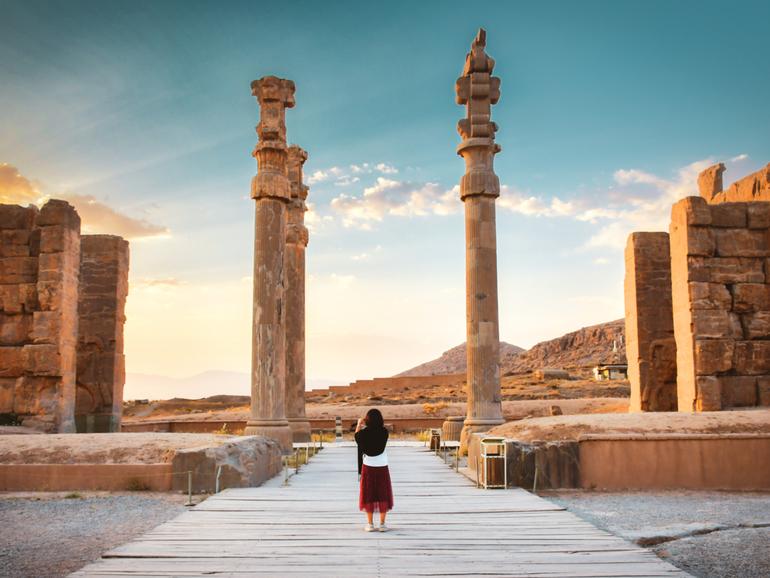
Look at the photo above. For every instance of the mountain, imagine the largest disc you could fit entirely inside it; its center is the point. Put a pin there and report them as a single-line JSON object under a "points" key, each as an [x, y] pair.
{"points": [[454, 361], [584, 347]]}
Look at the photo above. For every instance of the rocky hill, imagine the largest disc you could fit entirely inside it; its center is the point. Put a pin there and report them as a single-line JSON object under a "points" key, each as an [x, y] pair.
{"points": [[582, 348], [454, 361]]}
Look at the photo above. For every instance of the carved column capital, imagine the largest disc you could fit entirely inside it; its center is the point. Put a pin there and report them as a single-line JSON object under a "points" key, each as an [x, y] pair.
{"points": [[478, 90]]}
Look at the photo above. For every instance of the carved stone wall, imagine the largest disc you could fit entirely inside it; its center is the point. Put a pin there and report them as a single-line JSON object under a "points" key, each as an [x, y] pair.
{"points": [[39, 268], [650, 344], [101, 311], [721, 303]]}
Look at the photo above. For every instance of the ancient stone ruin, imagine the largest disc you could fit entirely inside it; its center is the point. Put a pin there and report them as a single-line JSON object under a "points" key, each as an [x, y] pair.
{"points": [[62, 299], [478, 90], [280, 238], [708, 283]]}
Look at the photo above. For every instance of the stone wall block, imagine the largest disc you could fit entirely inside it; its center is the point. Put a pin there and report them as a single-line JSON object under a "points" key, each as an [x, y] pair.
{"points": [[759, 215], [12, 361], [705, 295], [43, 360], [17, 217], [728, 215], [749, 297], [756, 325], [713, 356], [716, 324], [739, 391], [691, 211], [7, 391], [708, 394], [752, 357], [14, 329], [20, 298], [57, 212], [741, 243], [730, 270], [15, 270], [763, 391]]}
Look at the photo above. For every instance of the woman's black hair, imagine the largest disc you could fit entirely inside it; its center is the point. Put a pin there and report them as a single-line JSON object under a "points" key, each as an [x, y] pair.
{"points": [[374, 419]]}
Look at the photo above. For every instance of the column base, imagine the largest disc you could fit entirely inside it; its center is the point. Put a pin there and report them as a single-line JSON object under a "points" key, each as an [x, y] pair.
{"points": [[275, 430], [473, 426], [300, 429]]}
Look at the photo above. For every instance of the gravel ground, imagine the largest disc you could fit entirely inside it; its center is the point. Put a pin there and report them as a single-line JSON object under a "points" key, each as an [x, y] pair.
{"points": [[708, 534], [47, 535]]}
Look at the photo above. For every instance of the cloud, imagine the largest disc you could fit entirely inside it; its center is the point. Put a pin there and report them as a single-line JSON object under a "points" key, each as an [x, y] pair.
{"points": [[99, 218], [96, 217], [740, 157], [16, 189], [345, 176], [164, 282], [392, 197], [517, 202]]}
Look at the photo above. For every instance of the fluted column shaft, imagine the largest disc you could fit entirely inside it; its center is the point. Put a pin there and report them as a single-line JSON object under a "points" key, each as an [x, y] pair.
{"points": [[296, 243], [479, 187], [271, 191]]}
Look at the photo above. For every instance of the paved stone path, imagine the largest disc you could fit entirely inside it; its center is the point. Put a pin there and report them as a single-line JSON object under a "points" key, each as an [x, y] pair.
{"points": [[442, 526]]}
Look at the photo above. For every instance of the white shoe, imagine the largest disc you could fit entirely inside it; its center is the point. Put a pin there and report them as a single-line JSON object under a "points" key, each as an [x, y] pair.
{"points": [[383, 528], [369, 528]]}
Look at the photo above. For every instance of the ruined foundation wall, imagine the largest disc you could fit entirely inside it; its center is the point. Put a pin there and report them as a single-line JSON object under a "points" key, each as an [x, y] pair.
{"points": [[721, 303], [39, 269], [101, 310], [650, 344]]}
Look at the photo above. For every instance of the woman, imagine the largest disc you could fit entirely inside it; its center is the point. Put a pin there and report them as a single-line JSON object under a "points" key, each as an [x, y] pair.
{"points": [[376, 493]]}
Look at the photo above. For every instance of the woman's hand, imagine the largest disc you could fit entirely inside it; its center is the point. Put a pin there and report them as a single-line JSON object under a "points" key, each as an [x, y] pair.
{"points": [[360, 424]]}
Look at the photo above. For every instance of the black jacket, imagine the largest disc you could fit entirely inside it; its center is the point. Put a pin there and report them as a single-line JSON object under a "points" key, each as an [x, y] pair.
{"points": [[370, 442]]}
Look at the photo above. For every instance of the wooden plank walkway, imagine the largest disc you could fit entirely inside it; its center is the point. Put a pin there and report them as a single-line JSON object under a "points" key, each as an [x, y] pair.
{"points": [[442, 526]]}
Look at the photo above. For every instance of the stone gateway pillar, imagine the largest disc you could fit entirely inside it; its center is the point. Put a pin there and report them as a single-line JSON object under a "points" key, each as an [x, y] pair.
{"points": [[296, 242], [271, 191], [479, 187]]}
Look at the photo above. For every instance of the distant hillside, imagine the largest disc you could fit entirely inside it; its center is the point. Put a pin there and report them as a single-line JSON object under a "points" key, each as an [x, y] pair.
{"points": [[581, 348], [454, 361], [584, 347]]}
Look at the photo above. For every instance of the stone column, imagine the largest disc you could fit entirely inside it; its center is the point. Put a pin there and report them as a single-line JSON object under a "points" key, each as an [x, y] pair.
{"points": [[296, 242], [479, 187], [271, 191]]}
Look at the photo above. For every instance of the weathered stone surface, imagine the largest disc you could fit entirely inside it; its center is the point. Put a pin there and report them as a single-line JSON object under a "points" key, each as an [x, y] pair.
{"points": [[710, 181], [296, 242], [39, 284], [753, 187], [650, 345], [271, 190], [752, 357], [713, 356], [721, 303], [763, 391], [708, 394], [104, 267], [741, 242], [729, 215], [759, 215], [738, 391], [709, 295], [478, 90]]}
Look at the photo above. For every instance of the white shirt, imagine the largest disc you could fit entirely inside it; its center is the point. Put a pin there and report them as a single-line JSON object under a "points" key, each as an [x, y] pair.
{"points": [[376, 461]]}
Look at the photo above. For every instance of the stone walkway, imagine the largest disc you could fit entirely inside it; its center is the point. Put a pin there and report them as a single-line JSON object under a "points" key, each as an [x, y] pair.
{"points": [[442, 526]]}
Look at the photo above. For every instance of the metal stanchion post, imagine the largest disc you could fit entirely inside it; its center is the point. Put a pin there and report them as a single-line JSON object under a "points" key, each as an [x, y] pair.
{"points": [[216, 485]]}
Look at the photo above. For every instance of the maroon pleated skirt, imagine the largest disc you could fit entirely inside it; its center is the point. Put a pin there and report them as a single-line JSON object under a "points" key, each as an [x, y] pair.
{"points": [[376, 493]]}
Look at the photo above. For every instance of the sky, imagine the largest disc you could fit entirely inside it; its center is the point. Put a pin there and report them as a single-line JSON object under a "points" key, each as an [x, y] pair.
{"points": [[140, 114]]}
